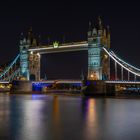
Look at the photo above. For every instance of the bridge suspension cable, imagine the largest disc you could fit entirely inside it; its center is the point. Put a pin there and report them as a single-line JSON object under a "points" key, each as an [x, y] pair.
{"points": [[10, 71], [123, 64]]}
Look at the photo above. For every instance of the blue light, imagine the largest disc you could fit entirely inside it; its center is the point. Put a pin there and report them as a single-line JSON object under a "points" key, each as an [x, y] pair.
{"points": [[37, 86], [87, 83], [94, 83]]}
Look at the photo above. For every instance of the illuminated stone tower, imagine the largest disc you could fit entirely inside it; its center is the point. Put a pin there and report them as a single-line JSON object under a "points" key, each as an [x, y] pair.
{"points": [[34, 59], [98, 61], [29, 61], [24, 63]]}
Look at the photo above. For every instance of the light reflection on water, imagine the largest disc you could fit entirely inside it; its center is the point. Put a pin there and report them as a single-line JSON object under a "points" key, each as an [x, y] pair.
{"points": [[90, 118], [46, 117]]}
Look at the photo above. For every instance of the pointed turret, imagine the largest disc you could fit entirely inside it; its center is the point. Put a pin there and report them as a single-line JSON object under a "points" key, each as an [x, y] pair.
{"points": [[104, 38], [89, 30], [30, 34], [89, 27], [24, 41], [21, 36], [94, 32], [104, 33], [39, 40], [100, 23], [34, 43], [100, 27], [98, 34]]}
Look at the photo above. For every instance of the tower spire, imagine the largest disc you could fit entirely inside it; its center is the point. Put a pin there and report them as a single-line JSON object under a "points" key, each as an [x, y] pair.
{"points": [[100, 23], [100, 27], [89, 30], [89, 26], [39, 40], [30, 34], [108, 29]]}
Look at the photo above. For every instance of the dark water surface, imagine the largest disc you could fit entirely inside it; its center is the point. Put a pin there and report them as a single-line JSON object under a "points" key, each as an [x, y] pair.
{"points": [[46, 117]]}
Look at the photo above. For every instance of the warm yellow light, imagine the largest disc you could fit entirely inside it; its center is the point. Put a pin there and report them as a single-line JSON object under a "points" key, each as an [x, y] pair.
{"points": [[106, 56], [91, 75], [8, 86], [2, 86], [23, 78], [38, 54]]}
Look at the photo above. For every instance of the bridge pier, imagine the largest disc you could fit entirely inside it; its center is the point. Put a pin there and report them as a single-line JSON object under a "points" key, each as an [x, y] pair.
{"points": [[21, 86], [94, 88]]}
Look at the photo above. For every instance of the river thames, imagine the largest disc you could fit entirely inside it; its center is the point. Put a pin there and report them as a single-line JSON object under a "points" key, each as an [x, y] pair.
{"points": [[48, 117]]}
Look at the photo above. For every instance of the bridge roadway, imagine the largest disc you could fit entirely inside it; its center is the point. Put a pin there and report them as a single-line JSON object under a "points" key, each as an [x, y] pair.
{"points": [[78, 81], [58, 82], [123, 82], [110, 86], [78, 46]]}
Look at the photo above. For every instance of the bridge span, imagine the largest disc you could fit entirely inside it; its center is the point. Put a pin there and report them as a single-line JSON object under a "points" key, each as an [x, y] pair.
{"points": [[27, 64], [68, 47]]}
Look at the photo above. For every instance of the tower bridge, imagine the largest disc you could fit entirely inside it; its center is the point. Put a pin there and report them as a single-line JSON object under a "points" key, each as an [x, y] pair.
{"points": [[26, 65], [98, 61]]}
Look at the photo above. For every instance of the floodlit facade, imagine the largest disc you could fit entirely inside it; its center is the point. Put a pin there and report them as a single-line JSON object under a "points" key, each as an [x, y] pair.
{"points": [[98, 61]]}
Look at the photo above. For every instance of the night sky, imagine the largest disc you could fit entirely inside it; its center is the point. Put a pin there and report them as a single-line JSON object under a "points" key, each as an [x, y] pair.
{"points": [[70, 19]]}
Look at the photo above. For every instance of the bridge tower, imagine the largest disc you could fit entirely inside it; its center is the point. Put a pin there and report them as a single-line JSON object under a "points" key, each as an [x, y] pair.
{"points": [[29, 61], [34, 58], [98, 61], [24, 63]]}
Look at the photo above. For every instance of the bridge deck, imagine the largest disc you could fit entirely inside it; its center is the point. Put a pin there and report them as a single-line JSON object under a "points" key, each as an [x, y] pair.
{"points": [[122, 82], [58, 81], [62, 48]]}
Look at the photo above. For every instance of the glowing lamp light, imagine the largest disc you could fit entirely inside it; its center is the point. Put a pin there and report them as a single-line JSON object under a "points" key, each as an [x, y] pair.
{"points": [[106, 56], [31, 52], [55, 44], [91, 75], [38, 54]]}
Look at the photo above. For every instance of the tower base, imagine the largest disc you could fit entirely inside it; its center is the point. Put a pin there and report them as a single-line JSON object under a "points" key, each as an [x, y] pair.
{"points": [[19, 86], [94, 87]]}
